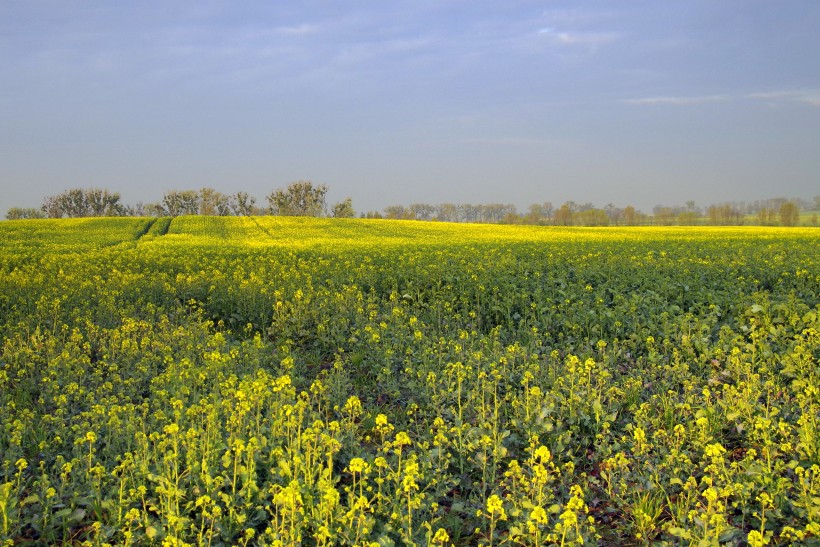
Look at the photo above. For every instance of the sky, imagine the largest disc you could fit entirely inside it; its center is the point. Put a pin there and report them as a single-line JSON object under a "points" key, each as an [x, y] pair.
{"points": [[635, 102]]}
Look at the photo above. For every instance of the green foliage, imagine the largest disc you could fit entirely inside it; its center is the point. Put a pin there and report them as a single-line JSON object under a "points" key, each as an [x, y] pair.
{"points": [[297, 381], [344, 209]]}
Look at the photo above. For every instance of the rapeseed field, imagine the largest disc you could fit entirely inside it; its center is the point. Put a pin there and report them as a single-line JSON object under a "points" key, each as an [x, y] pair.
{"points": [[298, 381]]}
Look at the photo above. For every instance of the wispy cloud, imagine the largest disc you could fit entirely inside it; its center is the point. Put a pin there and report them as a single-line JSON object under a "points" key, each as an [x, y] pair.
{"points": [[681, 101], [297, 30], [579, 38], [810, 97]]}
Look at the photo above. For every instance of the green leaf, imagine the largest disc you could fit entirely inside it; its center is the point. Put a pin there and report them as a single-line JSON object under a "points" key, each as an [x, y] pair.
{"points": [[680, 532], [34, 498]]}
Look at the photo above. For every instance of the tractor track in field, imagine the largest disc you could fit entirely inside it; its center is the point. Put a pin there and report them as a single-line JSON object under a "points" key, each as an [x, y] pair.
{"points": [[155, 227], [145, 229]]}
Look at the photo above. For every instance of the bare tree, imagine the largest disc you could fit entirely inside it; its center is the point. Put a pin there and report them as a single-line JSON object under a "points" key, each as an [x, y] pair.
{"points": [[80, 202], [242, 204], [301, 198]]}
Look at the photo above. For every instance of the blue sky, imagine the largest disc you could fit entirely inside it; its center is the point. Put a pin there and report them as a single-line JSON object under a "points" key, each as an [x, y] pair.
{"points": [[633, 102]]}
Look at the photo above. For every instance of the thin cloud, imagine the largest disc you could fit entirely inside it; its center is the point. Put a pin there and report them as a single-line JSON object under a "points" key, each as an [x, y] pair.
{"points": [[810, 97], [586, 39], [678, 101], [297, 30]]}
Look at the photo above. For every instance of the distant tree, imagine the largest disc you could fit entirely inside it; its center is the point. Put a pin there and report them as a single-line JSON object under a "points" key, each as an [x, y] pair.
{"points": [[301, 198], [422, 211], [563, 216], [687, 218], [630, 216], [714, 214], [765, 216], [447, 212], [396, 212], [664, 216], [538, 213], [137, 210], [176, 203], [343, 209], [101, 202], [468, 212], [497, 212], [51, 207], [155, 210], [213, 203], [789, 214], [242, 204], [20, 213], [724, 214], [80, 202], [591, 217], [816, 203]]}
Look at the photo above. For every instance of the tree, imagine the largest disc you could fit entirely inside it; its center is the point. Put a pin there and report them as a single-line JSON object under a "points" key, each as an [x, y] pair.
{"points": [[102, 203], [396, 212], [176, 203], [538, 213], [765, 216], [79, 202], [213, 203], [422, 211], [343, 209], [468, 212], [447, 212], [20, 213], [630, 216], [155, 210], [301, 199], [592, 217], [242, 204], [563, 216], [789, 214], [664, 216]]}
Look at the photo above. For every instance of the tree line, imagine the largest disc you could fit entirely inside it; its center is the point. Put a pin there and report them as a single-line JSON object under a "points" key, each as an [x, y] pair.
{"points": [[303, 198], [300, 198]]}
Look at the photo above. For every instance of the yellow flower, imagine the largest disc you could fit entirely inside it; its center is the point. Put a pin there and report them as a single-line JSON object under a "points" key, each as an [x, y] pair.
{"points": [[543, 453], [441, 536], [358, 465], [495, 506], [756, 539], [539, 515], [402, 439]]}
